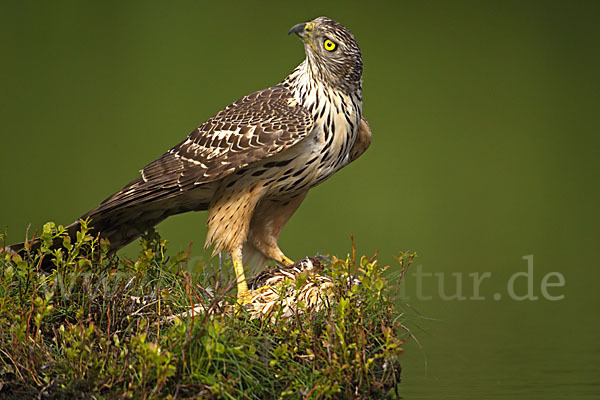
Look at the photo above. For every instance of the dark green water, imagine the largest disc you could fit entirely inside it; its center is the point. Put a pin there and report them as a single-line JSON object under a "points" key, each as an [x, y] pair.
{"points": [[486, 129]]}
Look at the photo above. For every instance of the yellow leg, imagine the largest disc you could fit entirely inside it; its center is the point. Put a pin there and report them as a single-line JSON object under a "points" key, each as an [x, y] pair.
{"points": [[267, 221], [243, 295]]}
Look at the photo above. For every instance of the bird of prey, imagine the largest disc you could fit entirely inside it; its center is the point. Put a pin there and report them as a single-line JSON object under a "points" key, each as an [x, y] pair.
{"points": [[252, 164]]}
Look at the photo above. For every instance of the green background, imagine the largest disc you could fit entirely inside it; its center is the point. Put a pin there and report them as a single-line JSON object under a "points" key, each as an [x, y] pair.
{"points": [[485, 150]]}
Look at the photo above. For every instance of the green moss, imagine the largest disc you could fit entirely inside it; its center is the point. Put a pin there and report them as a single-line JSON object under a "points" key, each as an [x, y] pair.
{"points": [[97, 325]]}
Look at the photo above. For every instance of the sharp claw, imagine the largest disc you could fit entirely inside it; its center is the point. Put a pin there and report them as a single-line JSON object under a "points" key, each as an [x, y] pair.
{"points": [[286, 261], [243, 298]]}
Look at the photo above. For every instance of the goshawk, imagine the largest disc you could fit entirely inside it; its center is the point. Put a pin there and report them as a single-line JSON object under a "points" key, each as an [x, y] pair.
{"points": [[252, 164]]}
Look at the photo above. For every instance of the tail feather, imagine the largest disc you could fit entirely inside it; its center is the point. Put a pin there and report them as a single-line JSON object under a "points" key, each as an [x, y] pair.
{"points": [[126, 215]]}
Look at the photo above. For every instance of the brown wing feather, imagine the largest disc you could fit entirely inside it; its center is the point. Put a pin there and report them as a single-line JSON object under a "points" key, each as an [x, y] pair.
{"points": [[255, 127]]}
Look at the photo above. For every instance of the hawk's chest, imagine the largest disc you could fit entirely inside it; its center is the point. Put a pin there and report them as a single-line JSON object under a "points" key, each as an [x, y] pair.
{"points": [[325, 149], [337, 116]]}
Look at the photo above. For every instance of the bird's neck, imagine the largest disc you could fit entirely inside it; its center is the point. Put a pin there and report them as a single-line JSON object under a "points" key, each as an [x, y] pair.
{"points": [[309, 88]]}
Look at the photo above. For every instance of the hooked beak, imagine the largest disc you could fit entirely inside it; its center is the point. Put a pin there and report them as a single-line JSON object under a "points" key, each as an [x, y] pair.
{"points": [[303, 31], [298, 30]]}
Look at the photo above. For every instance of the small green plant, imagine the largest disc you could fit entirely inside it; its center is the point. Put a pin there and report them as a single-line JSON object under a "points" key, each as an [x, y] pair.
{"points": [[99, 325]]}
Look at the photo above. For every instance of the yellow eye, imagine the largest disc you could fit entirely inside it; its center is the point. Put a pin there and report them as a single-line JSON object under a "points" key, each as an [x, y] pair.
{"points": [[329, 45]]}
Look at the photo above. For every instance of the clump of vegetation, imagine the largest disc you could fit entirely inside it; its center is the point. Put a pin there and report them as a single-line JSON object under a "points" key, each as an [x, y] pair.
{"points": [[99, 325]]}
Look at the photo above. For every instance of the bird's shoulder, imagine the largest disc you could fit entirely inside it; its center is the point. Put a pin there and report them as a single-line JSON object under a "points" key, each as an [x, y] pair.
{"points": [[265, 115], [257, 126]]}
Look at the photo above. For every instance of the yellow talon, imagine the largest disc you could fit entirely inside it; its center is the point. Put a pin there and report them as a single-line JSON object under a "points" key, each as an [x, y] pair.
{"points": [[286, 261]]}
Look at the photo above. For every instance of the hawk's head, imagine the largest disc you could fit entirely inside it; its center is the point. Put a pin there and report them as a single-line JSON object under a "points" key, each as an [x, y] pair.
{"points": [[332, 52]]}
